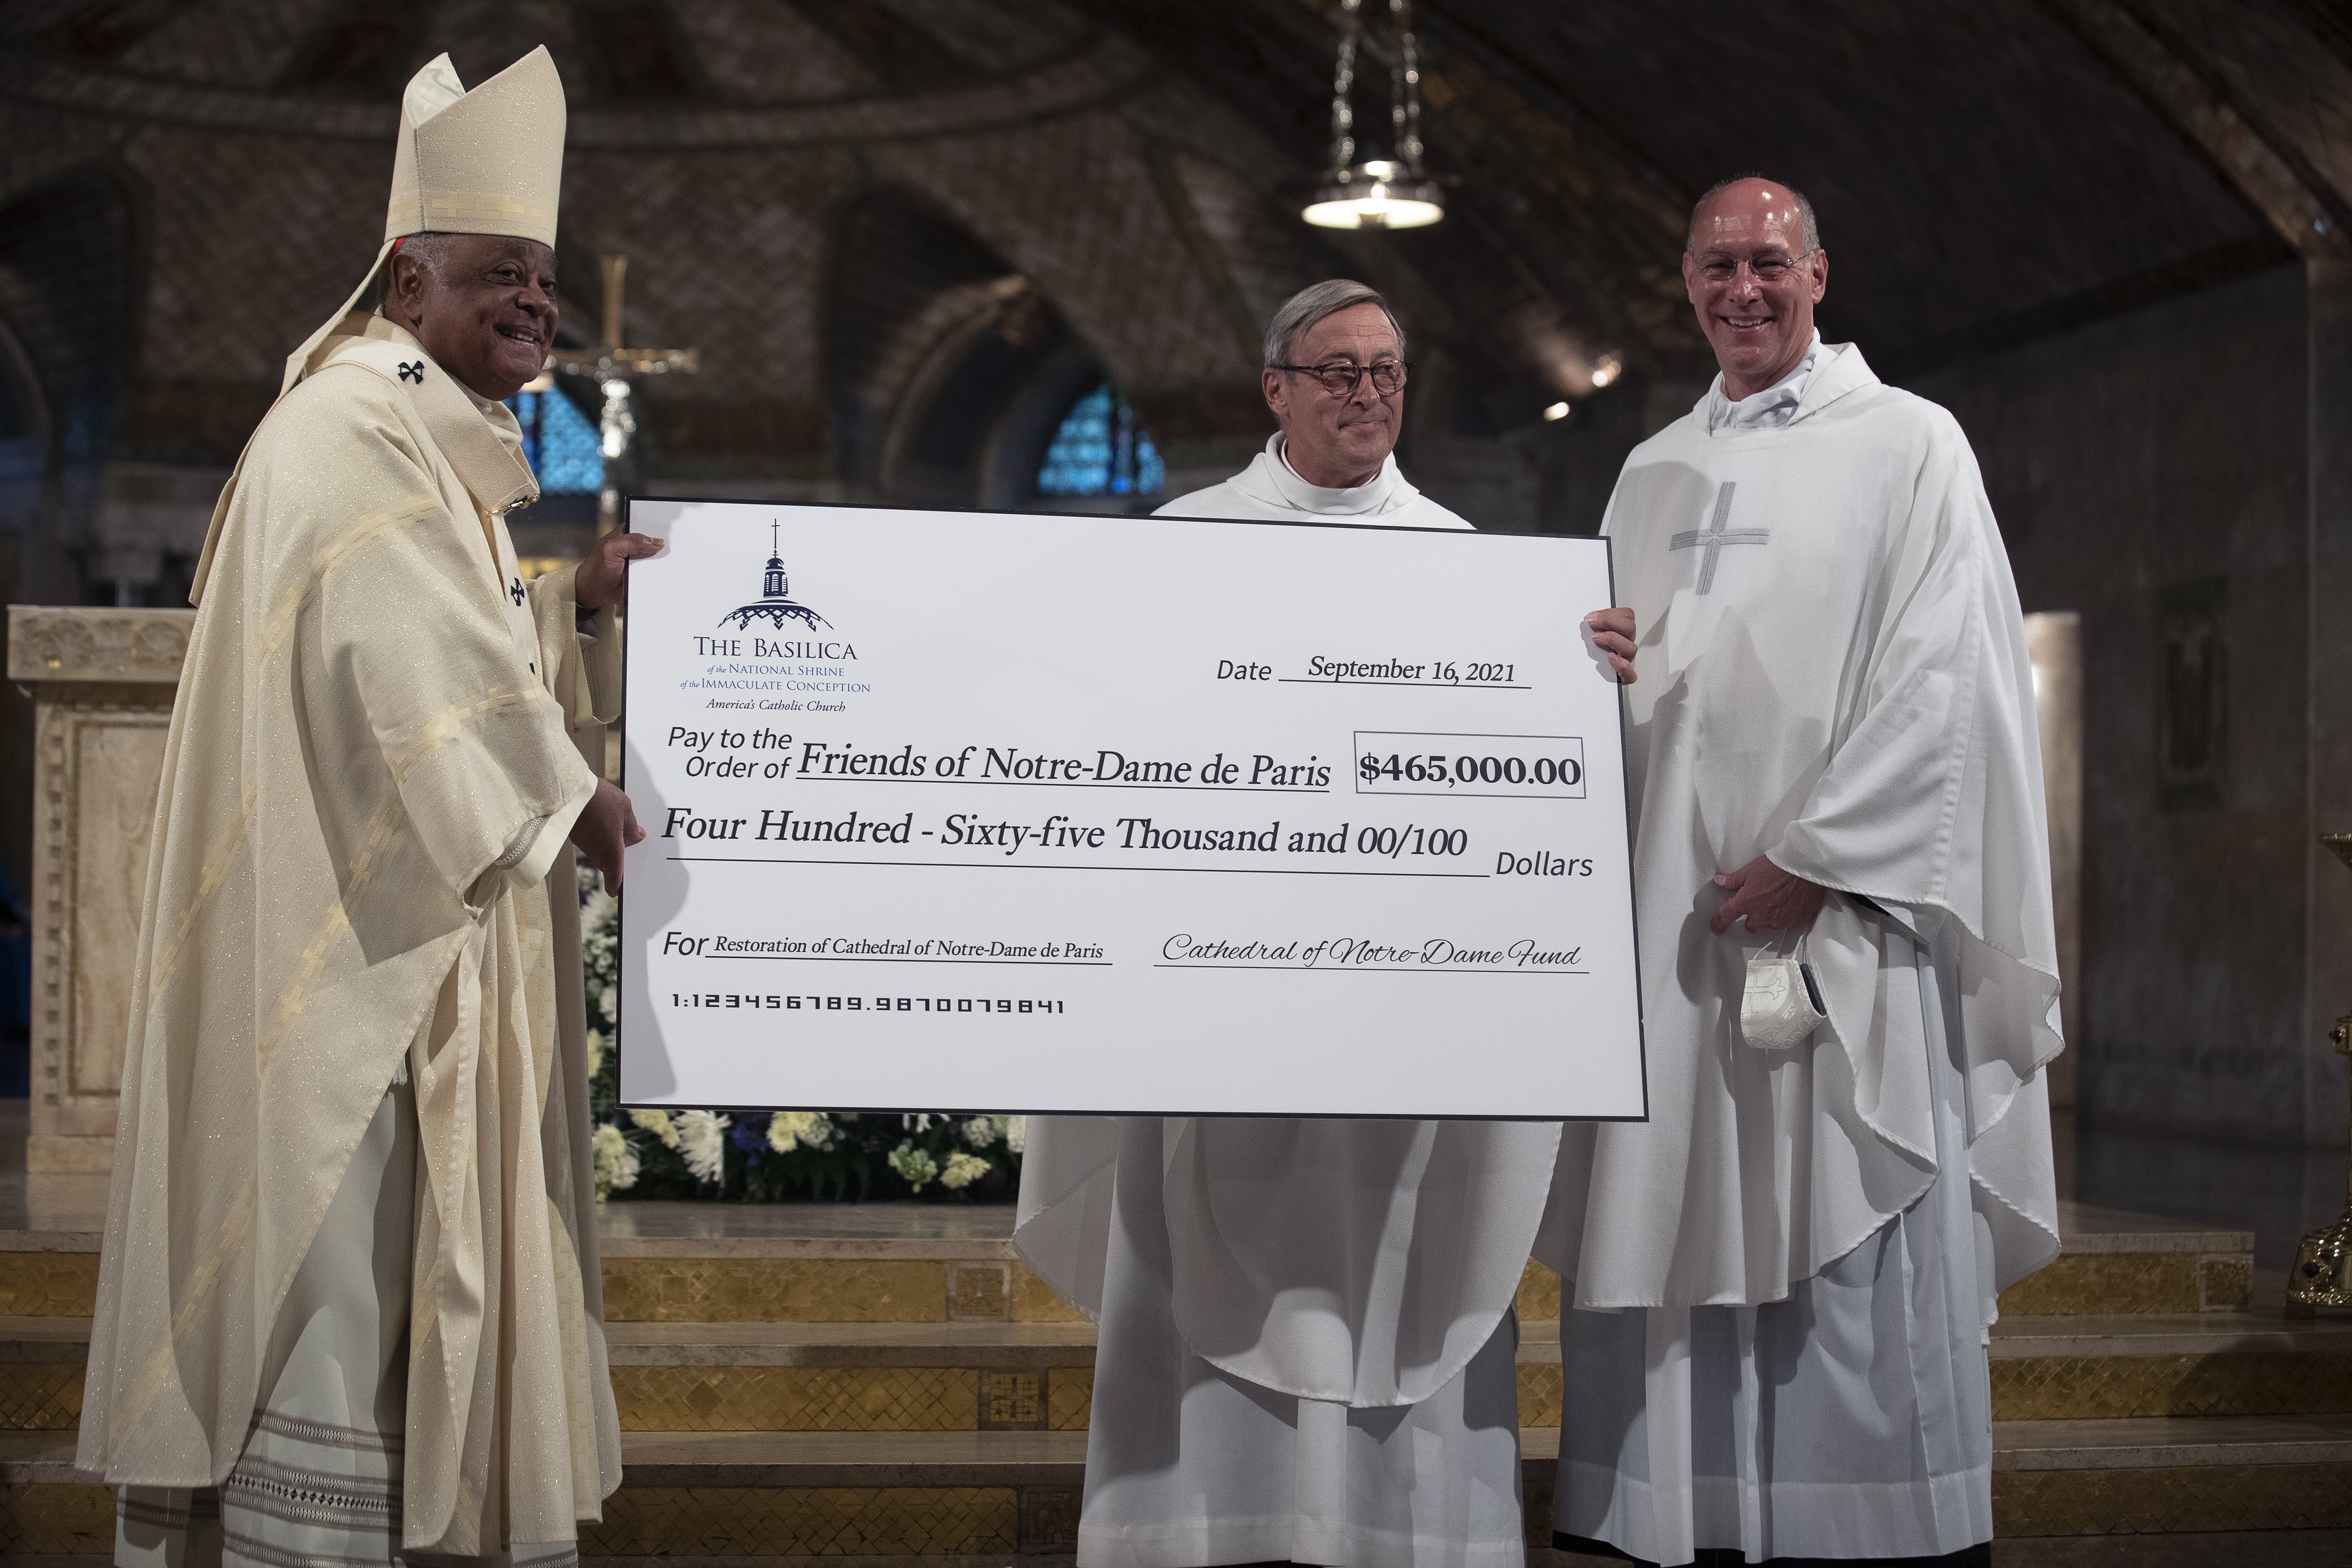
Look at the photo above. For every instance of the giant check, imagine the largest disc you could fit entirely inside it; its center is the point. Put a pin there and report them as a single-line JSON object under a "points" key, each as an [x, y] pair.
{"points": [[1065, 813]]}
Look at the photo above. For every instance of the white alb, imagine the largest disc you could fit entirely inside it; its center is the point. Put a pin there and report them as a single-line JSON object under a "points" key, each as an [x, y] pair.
{"points": [[1779, 1283], [1305, 1349]]}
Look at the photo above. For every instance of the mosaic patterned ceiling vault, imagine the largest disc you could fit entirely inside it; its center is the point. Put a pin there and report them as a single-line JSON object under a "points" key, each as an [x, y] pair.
{"points": [[1129, 169]]}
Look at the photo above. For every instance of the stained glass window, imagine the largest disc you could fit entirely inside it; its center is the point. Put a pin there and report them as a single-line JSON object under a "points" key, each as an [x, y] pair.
{"points": [[1101, 450], [559, 443]]}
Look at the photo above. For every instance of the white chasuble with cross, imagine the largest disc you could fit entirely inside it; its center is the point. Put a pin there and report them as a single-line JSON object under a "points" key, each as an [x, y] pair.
{"points": [[1832, 673], [1777, 1288]]}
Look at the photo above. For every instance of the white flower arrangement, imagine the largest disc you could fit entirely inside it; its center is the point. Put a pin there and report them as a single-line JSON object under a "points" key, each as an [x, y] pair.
{"points": [[615, 1161], [702, 1140], [916, 1164], [962, 1169], [658, 1123], [791, 1130], [787, 1156]]}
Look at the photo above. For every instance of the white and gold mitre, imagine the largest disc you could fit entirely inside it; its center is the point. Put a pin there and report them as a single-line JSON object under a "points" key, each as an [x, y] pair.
{"points": [[484, 161]]}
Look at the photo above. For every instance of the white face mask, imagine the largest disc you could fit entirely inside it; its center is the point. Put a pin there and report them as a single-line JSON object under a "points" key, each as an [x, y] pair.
{"points": [[1781, 1007]]}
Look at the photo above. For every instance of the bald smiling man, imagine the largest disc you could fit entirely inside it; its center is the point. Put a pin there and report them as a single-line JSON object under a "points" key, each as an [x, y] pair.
{"points": [[1777, 1288]]}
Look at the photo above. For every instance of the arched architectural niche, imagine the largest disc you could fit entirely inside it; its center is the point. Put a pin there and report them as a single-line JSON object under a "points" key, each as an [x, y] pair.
{"points": [[25, 439], [72, 288], [938, 359], [1016, 446], [25, 444], [73, 265], [1094, 213]]}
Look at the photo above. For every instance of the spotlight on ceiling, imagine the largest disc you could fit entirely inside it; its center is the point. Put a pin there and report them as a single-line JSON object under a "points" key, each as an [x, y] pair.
{"points": [[1606, 369], [1377, 193], [1556, 411]]}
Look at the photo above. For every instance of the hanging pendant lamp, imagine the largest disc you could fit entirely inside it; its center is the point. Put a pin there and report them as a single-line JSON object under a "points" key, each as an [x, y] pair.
{"points": [[1378, 193]]}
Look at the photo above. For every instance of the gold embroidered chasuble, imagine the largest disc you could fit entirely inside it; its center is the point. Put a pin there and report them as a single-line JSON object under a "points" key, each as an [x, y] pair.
{"points": [[377, 753]]}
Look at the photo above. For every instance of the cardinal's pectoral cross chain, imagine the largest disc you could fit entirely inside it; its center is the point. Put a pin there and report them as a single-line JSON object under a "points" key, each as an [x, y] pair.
{"points": [[1715, 536]]}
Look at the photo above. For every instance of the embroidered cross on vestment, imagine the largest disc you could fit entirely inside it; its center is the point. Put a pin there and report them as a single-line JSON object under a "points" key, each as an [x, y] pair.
{"points": [[515, 593], [414, 372], [1715, 536]]}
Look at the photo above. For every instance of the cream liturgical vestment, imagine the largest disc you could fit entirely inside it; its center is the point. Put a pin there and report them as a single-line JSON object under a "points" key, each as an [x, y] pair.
{"points": [[370, 771], [349, 1302], [1780, 1282], [1306, 1344]]}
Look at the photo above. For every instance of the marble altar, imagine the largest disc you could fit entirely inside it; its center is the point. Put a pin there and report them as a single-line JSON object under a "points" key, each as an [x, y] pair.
{"points": [[102, 682]]}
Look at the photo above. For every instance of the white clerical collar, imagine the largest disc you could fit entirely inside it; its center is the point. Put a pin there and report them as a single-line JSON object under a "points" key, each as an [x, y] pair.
{"points": [[1379, 493], [1770, 409]]}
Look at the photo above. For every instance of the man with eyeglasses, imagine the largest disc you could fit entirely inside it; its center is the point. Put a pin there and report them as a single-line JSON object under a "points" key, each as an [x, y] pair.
{"points": [[1334, 378], [1306, 1343], [1778, 1288]]}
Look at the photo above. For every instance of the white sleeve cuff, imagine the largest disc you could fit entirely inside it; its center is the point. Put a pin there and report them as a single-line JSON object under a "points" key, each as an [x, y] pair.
{"points": [[537, 854]]}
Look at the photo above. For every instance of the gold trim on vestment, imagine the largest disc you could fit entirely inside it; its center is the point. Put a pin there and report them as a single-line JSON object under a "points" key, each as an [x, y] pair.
{"points": [[475, 206], [296, 995], [200, 1285], [275, 631], [289, 608], [217, 867], [450, 722]]}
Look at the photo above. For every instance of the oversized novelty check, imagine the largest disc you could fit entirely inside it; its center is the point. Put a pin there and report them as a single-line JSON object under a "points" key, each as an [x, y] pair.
{"points": [[1065, 813]]}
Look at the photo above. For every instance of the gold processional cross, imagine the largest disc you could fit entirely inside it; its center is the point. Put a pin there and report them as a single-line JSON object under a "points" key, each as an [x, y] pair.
{"points": [[613, 366]]}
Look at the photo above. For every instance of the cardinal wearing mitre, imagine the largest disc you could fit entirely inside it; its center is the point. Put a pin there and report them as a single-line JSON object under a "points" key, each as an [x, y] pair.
{"points": [[349, 1304]]}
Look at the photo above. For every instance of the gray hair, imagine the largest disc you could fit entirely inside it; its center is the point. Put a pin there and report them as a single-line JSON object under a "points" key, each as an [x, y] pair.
{"points": [[1311, 304], [429, 251], [1804, 209]]}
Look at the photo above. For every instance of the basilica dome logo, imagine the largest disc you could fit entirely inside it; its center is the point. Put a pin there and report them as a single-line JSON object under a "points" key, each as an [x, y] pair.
{"points": [[775, 604]]}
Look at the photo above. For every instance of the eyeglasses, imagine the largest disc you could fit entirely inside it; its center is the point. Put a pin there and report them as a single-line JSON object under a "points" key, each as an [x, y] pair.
{"points": [[1770, 268], [1341, 379]]}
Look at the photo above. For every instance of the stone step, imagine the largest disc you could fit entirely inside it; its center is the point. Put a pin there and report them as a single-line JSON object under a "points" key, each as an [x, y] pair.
{"points": [[836, 1279], [41, 1365], [892, 1281], [717, 1280], [946, 1377], [2095, 1368], [914, 1263], [773, 1377], [967, 1376], [2111, 1261], [2158, 1475], [870, 1496]]}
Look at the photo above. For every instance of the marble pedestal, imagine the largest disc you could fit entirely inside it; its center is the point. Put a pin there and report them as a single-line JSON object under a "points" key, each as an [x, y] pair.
{"points": [[103, 682]]}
